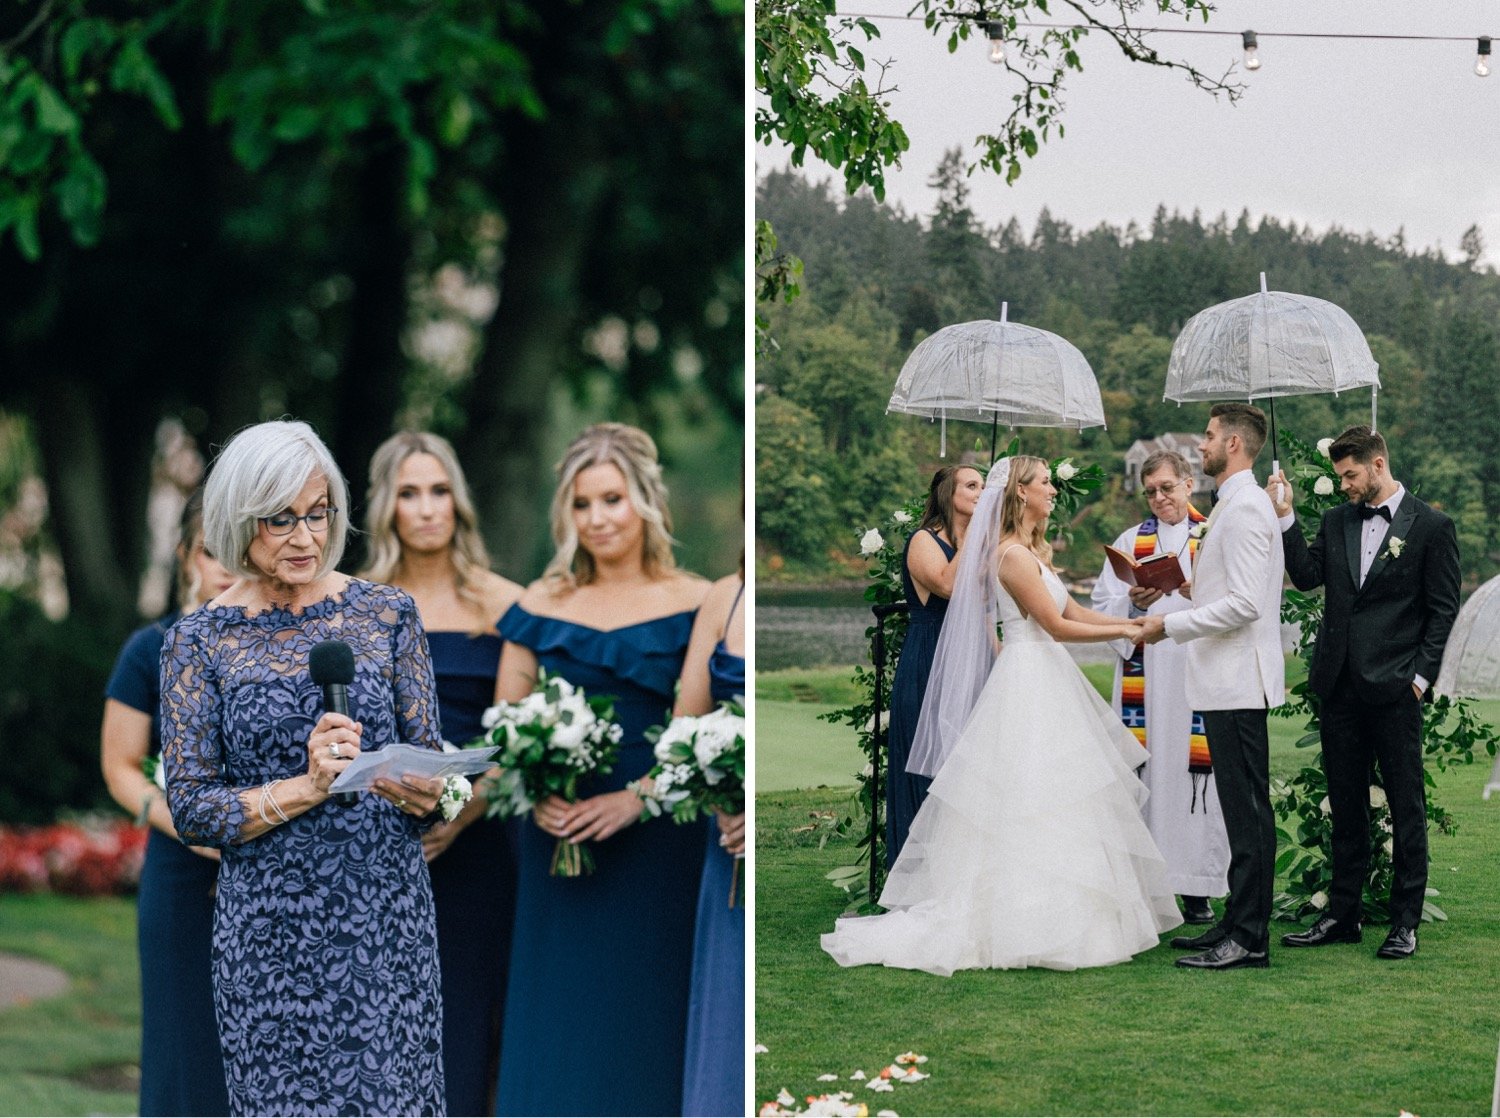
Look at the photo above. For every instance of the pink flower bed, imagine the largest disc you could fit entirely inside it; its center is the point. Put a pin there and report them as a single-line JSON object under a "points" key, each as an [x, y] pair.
{"points": [[87, 859]]}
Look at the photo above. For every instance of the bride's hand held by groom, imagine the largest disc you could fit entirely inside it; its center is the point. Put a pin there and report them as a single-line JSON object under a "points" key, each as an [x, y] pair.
{"points": [[1153, 629]]}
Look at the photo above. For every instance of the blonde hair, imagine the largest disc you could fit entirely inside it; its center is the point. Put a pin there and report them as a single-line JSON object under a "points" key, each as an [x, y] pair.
{"points": [[260, 473], [467, 550], [189, 539], [633, 453], [1023, 470]]}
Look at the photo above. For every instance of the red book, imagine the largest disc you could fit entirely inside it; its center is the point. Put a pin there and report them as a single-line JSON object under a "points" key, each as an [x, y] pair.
{"points": [[1155, 572]]}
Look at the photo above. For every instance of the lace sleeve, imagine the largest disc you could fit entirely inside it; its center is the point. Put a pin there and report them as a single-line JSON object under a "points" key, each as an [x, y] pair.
{"points": [[415, 690], [206, 810]]}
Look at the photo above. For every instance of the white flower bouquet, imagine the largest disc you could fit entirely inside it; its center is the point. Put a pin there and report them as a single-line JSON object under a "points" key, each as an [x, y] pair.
{"points": [[547, 741], [700, 767]]}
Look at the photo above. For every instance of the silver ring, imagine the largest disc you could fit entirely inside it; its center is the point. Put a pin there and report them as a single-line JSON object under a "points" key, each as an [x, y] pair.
{"points": [[333, 751]]}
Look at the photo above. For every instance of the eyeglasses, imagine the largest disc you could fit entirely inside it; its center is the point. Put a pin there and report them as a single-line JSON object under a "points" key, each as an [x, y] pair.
{"points": [[1165, 490], [284, 523]]}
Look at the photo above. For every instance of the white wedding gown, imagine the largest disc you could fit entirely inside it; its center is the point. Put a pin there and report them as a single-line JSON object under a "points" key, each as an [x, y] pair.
{"points": [[1030, 849]]}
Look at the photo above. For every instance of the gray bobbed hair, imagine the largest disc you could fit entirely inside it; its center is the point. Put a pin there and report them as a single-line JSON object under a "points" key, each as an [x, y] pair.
{"points": [[260, 472]]}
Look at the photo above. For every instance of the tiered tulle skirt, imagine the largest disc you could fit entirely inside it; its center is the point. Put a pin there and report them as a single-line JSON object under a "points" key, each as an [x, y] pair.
{"points": [[1030, 850]]}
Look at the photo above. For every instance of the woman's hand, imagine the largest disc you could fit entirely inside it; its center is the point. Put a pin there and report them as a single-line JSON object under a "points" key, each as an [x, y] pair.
{"points": [[551, 815], [330, 748], [438, 838], [1134, 631], [411, 795], [209, 852], [600, 816], [731, 832]]}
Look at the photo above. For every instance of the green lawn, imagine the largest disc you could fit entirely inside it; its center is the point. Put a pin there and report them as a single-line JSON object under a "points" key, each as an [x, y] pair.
{"points": [[1330, 1031], [76, 1054]]}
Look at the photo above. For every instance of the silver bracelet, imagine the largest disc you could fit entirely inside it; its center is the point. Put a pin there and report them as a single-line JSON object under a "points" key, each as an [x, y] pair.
{"points": [[265, 796]]}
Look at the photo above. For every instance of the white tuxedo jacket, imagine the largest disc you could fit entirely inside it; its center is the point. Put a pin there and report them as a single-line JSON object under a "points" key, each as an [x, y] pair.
{"points": [[1235, 660]]}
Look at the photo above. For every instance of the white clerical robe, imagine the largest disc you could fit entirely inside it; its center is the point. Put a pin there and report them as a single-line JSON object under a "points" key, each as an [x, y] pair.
{"points": [[1190, 835]]}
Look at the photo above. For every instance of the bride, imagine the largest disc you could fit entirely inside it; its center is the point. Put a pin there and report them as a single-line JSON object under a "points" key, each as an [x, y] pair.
{"points": [[1030, 850]]}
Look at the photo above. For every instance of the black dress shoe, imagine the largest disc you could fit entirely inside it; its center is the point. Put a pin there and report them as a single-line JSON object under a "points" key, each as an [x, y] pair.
{"points": [[1400, 944], [1225, 955], [1326, 930], [1197, 910], [1201, 942]]}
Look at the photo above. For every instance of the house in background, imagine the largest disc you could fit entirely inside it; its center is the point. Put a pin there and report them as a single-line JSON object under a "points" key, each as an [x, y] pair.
{"points": [[1185, 445]]}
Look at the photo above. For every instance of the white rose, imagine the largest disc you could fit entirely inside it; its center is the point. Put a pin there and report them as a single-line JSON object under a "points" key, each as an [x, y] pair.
{"points": [[1323, 487], [1066, 471], [490, 717], [457, 791], [871, 542], [569, 735], [1318, 900], [1323, 445], [1377, 796], [901, 516]]}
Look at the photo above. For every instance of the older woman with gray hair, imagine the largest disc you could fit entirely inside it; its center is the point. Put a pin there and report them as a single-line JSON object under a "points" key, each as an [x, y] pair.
{"points": [[325, 966]]}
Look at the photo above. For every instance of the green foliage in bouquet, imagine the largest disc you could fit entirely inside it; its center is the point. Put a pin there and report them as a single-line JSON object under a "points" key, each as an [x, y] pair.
{"points": [[883, 550], [1451, 732]]}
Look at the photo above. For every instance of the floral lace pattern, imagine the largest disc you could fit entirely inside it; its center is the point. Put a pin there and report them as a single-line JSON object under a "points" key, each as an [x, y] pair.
{"points": [[325, 960]]}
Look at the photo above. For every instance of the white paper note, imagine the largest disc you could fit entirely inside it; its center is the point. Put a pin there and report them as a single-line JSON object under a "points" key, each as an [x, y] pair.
{"points": [[400, 759]]}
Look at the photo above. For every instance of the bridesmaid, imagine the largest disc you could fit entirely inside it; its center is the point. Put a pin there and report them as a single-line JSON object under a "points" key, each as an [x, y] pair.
{"points": [[596, 1019], [424, 539], [927, 569], [182, 1068], [714, 1077]]}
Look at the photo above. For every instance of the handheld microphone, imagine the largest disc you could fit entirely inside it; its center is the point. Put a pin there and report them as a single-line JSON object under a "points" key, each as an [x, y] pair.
{"points": [[332, 666]]}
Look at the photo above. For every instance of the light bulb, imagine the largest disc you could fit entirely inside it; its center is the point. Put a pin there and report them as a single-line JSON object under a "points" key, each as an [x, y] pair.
{"points": [[996, 32], [1252, 59], [1482, 63]]}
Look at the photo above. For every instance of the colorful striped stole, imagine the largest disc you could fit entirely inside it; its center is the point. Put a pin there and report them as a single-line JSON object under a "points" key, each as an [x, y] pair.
{"points": [[1133, 679]]}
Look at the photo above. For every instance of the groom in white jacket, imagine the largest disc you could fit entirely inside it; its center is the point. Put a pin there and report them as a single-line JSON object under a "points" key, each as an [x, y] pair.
{"points": [[1235, 674]]}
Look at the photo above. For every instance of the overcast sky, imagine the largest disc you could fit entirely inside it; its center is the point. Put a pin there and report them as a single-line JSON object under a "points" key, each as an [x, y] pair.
{"points": [[1372, 136]]}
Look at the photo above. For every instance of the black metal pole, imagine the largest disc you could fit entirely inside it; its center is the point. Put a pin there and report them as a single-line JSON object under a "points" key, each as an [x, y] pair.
{"points": [[1275, 454], [994, 434], [876, 799]]}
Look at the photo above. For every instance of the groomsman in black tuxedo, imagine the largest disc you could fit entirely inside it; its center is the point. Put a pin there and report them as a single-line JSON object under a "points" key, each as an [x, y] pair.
{"points": [[1388, 565]]}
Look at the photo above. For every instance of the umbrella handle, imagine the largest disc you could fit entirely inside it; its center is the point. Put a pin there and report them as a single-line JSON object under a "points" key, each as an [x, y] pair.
{"points": [[1276, 469]]}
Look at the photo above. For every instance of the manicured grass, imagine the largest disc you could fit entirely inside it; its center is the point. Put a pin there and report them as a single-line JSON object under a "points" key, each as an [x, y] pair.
{"points": [[78, 1053], [1329, 1031]]}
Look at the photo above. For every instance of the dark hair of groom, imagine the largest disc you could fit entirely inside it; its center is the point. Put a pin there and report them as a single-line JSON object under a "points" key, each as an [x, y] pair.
{"points": [[1245, 420], [1361, 444]]}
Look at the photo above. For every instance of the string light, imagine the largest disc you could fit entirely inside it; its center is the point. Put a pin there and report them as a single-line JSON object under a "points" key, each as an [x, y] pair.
{"points": [[1249, 39], [996, 31], [1252, 60]]}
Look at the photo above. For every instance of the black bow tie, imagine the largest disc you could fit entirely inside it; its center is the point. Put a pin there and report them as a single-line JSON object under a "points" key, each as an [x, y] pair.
{"points": [[1367, 511]]}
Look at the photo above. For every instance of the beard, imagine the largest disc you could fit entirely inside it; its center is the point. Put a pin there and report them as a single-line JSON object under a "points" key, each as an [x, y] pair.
{"points": [[1215, 463]]}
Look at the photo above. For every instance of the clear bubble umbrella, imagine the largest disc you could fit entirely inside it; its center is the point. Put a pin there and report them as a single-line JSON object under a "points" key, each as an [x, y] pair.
{"points": [[1270, 344], [1471, 660], [998, 372]]}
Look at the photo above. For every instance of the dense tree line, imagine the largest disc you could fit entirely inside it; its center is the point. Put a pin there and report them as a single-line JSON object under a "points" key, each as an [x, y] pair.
{"points": [[878, 279]]}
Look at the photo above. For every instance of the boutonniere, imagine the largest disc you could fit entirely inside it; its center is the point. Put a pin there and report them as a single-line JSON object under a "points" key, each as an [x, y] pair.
{"points": [[1393, 548], [1198, 530]]}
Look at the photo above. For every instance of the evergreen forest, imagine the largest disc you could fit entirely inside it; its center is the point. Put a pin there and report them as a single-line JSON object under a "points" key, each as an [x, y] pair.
{"points": [[830, 462]]}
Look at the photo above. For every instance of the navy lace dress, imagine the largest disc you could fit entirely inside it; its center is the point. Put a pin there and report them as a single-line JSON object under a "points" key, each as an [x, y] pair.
{"points": [[473, 886], [714, 1078], [596, 1013], [182, 1069], [904, 791], [325, 965]]}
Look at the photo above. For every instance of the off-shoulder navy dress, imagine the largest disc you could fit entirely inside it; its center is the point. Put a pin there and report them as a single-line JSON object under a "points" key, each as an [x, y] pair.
{"points": [[473, 886], [325, 966], [714, 1078], [905, 791], [596, 1012], [182, 1069]]}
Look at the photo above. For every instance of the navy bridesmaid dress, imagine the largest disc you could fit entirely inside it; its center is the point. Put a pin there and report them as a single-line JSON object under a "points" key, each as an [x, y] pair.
{"points": [[904, 791], [473, 887], [182, 1067], [596, 1012], [714, 1079]]}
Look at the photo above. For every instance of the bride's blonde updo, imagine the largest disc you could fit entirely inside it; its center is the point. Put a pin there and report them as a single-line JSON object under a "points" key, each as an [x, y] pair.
{"points": [[1024, 469]]}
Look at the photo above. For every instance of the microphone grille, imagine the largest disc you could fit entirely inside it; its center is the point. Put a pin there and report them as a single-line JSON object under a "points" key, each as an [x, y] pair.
{"points": [[331, 662]]}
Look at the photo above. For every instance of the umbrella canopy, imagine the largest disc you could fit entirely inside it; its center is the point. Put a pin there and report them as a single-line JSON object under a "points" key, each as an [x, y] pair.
{"points": [[1471, 660], [999, 372], [1270, 344]]}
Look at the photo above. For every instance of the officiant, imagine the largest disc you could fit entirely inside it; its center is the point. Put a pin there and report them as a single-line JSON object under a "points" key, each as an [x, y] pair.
{"points": [[1182, 811]]}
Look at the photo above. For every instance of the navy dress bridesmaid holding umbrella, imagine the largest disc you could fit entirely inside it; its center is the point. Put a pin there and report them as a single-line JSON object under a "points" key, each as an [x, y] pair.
{"points": [[714, 1075], [596, 1015], [182, 1068], [424, 539], [927, 569]]}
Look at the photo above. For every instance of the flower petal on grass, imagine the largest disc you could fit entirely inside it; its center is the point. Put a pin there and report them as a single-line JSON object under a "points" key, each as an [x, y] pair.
{"points": [[759, 1048], [828, 1078], [878, 1084]]}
